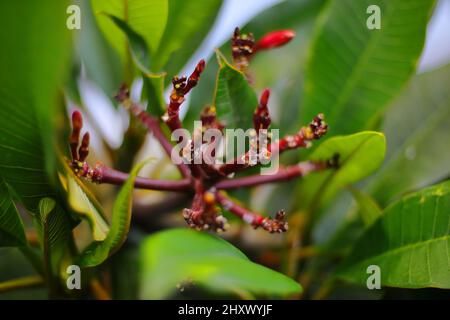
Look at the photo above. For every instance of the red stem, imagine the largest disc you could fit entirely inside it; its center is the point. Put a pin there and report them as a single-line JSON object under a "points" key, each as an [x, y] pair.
{"points": [[153, 126], [248, 216], [283, 174], [112, 176]]}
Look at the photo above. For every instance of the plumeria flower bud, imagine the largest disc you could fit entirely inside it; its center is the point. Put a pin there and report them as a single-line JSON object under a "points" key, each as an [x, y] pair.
{"points": [[261, 117], [275, 39], [77, 124]]}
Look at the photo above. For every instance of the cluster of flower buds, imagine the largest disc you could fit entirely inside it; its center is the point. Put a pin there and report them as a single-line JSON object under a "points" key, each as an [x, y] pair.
{"points": [[278, 224], [79, 152], [181, 87], [208, 183], [243, 45], [205, 214], [261, 117], [304, 137]]}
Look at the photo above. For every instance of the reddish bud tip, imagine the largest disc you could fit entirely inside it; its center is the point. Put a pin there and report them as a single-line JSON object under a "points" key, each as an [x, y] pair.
{"points": [[83, 151], [261, 117], [201, 65], [77, 120], [77, 124], [275, 39], [123, 94], [85, 140], [264, 98]]}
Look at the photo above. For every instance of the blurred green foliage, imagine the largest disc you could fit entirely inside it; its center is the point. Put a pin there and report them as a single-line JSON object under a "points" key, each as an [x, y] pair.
{"points": [[360, 80]]}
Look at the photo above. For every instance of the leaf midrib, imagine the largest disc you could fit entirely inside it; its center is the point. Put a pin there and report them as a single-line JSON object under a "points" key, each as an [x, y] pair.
{"points": [[359, 67], [404, 248]]}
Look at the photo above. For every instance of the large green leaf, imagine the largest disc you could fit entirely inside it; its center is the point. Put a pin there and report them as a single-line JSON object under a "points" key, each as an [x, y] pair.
{"points": [[153, 83], [148, 18], [138, 45], [410, 243], [360, 154], [99, 251], [417, 154], [188, 23], [154, 92], [33, 63], [234, 98], [368, 208], [418, 131], [11, 226], [100, 60], [181, 256], [54, 228], [353, 72], [83, 202], [285, 14]]}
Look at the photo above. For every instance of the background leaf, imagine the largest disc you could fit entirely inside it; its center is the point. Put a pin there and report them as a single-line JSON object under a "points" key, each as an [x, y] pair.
{"points": [[154, 92], [12, 232], [138, 46], [409, 243], [182, 255], [418, 131], [28, 92], [187, 25], [417, 155], [101, 62], [368, 208], [353, 72], [153, 83], [148, 18], [99, 251]]}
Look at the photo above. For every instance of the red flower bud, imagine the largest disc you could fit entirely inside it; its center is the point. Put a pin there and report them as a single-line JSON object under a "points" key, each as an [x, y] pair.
{"points": [[261, 117], [264, 98], [275, 39], [77, 124], [83, 151]]}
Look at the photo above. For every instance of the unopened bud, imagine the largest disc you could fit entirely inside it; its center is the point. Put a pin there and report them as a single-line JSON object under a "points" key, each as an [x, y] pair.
{"points": [[77, 124], [83, 151], [275, 39]]}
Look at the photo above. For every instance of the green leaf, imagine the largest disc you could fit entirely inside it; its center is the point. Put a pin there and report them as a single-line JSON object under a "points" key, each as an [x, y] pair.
{"points": [[33, 64], [147, 18], [368, 208], [12, 232], [138, 46], [100, 60], [292, 14], [99, 251], [83, 202], [417, 155], [153, 83], [418, 133], [353, 72], [360, 154], [234, 98], [55, 231], [410, 243], [173, 257], [187, 25], [154, 92]]}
